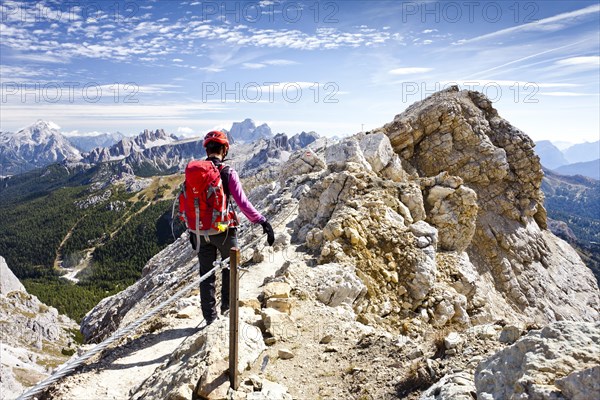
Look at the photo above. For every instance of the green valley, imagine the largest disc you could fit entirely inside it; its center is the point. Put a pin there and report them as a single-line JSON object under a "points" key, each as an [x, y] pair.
{"points": [[63, 219]]}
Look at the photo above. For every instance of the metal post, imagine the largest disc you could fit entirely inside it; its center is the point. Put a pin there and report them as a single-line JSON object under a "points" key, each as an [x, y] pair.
{"points": [[234, 286]]}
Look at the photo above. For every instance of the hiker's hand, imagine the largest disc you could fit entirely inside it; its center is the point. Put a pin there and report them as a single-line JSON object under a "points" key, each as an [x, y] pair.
{"points": [[268, 229]]}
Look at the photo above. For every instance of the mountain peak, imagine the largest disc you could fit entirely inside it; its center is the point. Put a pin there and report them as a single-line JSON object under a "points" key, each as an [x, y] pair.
{"points": [[34, 146], [41, 127], [47, 124], [247, 131]]}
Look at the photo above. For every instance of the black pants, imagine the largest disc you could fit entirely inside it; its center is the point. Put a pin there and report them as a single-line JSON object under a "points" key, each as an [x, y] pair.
{"points": [[223, 242]]}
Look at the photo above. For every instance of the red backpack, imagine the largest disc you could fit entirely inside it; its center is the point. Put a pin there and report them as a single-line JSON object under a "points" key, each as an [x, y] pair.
{"points": [[203, 204]]}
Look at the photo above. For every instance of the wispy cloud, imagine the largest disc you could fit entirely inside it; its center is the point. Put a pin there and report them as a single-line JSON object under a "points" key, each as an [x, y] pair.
{"points": [[566, 94], [518, 60], [279, 62], [410, 70], [186, 130], [507, 83], [263, 64], [253, 65], [585, 61], [550, 24]]}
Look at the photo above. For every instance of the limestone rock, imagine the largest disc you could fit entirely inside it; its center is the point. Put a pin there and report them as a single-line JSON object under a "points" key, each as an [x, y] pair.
{"points": [[532, 366], [452, 340], [8, 281], [454, 213], [34, 336], [377, 150], [412, 197], [279, 325], [510, 334], [455, 386], [459, 134], [201, 359], [285, 354], [281, 305], [427, 232], [394, 171], [187, 312], [270, 391], [346, 155], [214, 382], [279, 290], [250, 303], [301, 162], [581, 385], [339, 285]]}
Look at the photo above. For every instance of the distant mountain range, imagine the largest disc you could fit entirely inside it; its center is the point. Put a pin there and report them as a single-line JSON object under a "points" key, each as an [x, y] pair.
{"points": [[150, 152], [573, 205], [591, 169], [579, 159], [86, 143]]}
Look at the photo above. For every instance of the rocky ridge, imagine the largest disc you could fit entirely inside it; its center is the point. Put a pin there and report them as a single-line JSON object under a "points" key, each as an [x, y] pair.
{"points": [[128, 146], [405, 257]]}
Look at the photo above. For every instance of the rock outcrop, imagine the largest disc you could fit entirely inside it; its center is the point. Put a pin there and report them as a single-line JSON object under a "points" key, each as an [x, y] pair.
{"points": [[8, 281], [459, 132], [35, 337], [560, 361], [482, 250]]}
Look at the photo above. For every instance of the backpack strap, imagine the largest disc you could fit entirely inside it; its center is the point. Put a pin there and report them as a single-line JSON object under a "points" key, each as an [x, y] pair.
{"points": [[224, 171]]}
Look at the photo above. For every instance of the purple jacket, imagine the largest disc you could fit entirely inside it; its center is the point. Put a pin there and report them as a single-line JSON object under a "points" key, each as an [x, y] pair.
{"points": [[237, 192]]}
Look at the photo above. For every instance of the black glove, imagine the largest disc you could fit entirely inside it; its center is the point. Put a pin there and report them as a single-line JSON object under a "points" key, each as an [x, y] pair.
{"points": [[268, 229]]}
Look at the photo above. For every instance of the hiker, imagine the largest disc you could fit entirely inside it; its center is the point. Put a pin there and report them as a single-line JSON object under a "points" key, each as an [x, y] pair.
{"points": [[216, 228]]}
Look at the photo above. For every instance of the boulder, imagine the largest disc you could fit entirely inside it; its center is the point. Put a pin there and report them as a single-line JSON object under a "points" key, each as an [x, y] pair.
{"points": [[201, 359], [454, 386], [581, 385], [279, 290], [339, 285], [301, 162], [270, 391], [561, 354], [285, 354], [279, 325], [377, 150], [346, 155]]}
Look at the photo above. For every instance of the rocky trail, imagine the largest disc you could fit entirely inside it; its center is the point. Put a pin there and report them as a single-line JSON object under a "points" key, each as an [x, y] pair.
{"points": [[129, 363]]}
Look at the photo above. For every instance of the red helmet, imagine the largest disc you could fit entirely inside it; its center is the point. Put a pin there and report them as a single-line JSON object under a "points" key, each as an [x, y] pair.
{"points": [[216, 136]]}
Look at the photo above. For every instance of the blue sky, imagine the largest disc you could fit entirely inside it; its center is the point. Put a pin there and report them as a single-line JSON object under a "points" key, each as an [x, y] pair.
{"points": [[328, 66]]}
